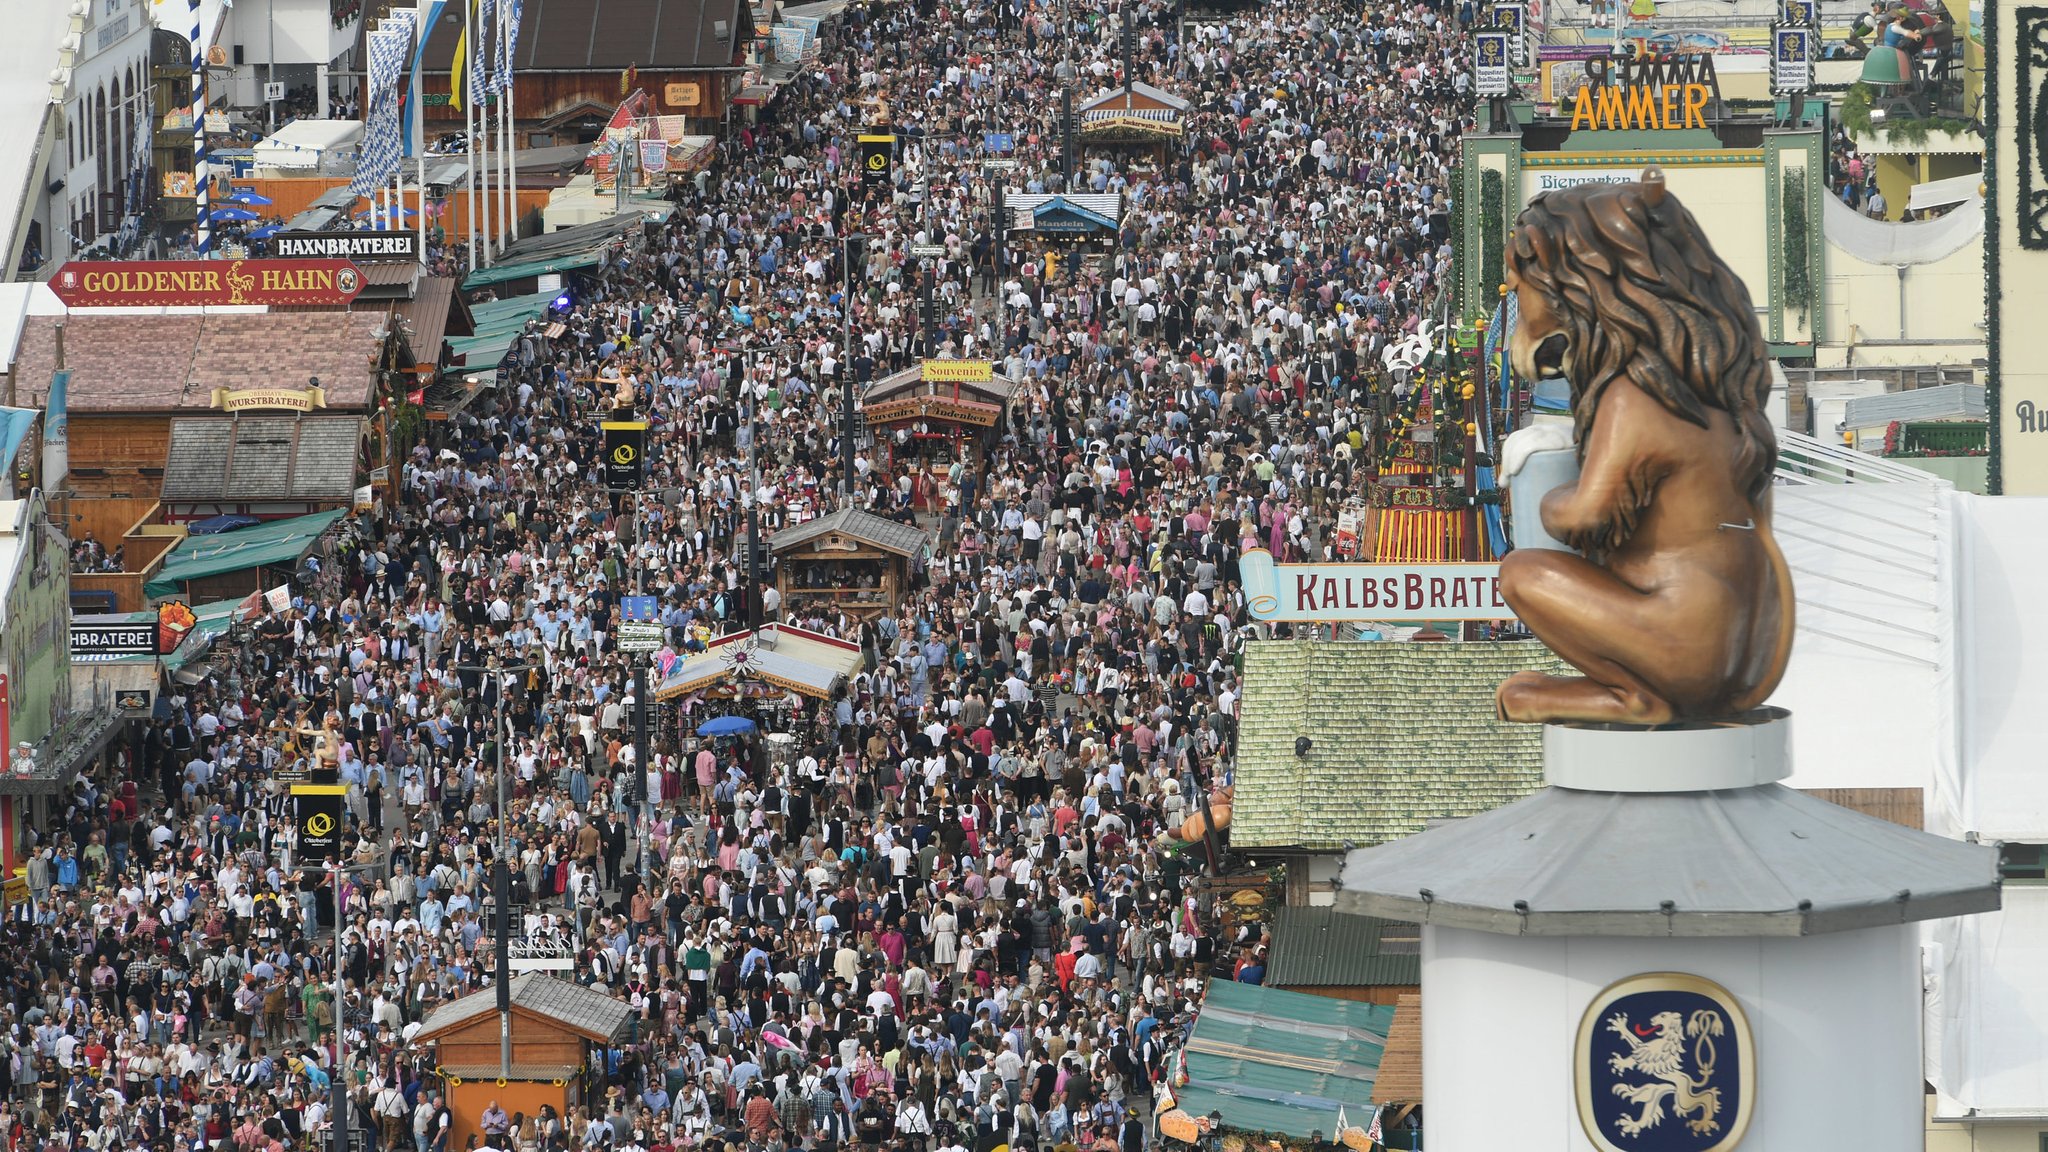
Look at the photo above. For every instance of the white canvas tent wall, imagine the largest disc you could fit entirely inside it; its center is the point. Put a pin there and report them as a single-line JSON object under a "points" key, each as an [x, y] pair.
{"points": [[311, 145], [32, 50]]}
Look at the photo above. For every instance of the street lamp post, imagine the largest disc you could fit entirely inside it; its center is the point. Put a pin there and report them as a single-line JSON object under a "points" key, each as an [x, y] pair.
{"points": [[846, 382], [501, 869]]}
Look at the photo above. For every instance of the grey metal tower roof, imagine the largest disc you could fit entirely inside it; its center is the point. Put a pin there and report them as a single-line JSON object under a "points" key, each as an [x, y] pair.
{"points": [[1756, 861]]}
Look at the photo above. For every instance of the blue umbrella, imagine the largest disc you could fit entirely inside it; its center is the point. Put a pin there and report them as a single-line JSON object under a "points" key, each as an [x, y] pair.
{"points": [[248, 196], [266, 232], [213, 525], [726, 726], [232, 215]]}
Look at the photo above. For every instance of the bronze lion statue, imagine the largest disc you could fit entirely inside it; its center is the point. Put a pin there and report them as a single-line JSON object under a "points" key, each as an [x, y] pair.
{"points": [[1676, 604]]}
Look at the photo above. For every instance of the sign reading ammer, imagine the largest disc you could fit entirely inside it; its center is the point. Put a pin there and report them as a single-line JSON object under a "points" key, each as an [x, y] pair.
{"points": [[394, 246]]}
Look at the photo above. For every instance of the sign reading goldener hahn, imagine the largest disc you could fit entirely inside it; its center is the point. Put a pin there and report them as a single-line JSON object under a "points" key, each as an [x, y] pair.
{"points": [[184, 283], [400, 247]]}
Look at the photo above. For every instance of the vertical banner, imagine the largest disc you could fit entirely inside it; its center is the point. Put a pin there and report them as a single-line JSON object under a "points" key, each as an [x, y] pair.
{"points": [[1514, 18], [1792, 58], [877, 159], [2016, 225], [317, 808], [625, 443], [1490, 64]]}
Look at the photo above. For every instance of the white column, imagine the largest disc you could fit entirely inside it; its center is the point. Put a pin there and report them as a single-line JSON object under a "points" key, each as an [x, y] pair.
{"points": [[320, 88]]}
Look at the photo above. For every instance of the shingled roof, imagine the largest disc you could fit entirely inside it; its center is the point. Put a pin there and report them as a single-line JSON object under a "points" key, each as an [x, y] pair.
{"points": [[608, 35], [585, 1011], [1401, 734], [902, 539], [1325, 948], [147, 363]]}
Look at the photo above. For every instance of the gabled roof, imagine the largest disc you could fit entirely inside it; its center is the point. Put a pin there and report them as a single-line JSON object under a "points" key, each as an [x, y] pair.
{"points": [[866, 527], [1275, 1061], [262, 458], [608, 35], [1116, 97], [1062, 204], [1325, 948], [1401, 734], [591, 1014]]}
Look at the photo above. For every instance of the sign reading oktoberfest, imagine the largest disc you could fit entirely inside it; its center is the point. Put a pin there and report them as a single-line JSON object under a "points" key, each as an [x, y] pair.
{"points": [[1664, 1063], [1385, 593], [401, 247], [625, 442], [877, 159], [113, 639], [317, 809], [186, 283]]}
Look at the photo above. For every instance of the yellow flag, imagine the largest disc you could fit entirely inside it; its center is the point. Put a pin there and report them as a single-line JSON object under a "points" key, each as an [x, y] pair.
{"points": [[458, 72]]}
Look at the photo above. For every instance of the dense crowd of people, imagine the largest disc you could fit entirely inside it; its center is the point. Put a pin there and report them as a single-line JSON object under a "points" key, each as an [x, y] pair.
{"points": [[945, 907]]}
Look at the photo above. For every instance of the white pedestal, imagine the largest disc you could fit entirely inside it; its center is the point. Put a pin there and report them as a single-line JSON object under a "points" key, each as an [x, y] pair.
{"points": [[1835, 1021]]}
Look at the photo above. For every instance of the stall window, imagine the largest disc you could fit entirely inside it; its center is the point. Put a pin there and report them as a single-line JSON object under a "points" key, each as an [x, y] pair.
{"points": [[2024, 864]]}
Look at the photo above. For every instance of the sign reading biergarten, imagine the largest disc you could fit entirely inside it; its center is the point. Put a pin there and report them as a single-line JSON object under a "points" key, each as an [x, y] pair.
{"points": [[1382, 593], [188, 283]]}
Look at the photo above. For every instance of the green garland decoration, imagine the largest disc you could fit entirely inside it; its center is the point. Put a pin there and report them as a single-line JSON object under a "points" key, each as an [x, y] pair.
{"points": [[1492, 235], [1855, 114], [1456, 181], [1797, 278]]}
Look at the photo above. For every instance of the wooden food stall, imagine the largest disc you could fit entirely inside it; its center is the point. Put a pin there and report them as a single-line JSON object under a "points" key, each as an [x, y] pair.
{"points": [[930, 417], [850, 558]]}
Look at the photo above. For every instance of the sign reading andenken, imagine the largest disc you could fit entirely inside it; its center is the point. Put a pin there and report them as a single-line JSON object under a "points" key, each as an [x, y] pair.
{"points": [[396, 247], [1383, 593]]}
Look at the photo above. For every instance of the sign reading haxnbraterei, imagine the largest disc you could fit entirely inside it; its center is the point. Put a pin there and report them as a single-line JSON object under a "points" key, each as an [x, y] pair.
{"points": [[398, 246]]}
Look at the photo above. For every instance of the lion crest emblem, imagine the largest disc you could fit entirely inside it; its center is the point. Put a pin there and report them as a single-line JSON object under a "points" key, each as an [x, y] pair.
{"points": [[1674, 601], [1664, 1064]]}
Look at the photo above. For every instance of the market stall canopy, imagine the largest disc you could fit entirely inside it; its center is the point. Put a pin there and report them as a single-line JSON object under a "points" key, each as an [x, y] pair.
{"points": [[788, 657], [1282, 1062], [498, 323], [318, 145], [279, 542], [1103, 210], [582, 246]]}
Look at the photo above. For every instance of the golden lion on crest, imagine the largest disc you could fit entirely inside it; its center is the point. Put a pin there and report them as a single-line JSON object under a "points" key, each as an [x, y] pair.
{"points": [[1677, 605]]}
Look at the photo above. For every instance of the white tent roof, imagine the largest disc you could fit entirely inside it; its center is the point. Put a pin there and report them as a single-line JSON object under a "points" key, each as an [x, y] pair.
{"points": [[1942, 193], [29, 51], [303, 143], [1921, 242]]}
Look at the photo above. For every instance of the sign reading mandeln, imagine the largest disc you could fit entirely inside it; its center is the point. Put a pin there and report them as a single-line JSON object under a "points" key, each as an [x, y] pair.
{"points": [[1384, 593]]}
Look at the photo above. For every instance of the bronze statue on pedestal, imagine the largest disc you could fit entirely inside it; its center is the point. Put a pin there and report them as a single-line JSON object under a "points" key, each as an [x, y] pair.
{"points": [[1676, 603]]}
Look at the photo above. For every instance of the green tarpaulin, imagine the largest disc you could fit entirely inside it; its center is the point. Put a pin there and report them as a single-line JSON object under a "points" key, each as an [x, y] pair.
{"points": [[498, 323], [1285, 1062], [275, 542]]}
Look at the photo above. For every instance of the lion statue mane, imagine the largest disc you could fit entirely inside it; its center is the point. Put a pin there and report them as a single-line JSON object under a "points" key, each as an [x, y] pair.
{"points": [[1621, 294]]}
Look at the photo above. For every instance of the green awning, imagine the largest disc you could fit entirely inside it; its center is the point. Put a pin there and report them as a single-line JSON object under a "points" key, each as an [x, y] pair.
{"points": [[498, 323], [275, 542], [1282, 1062], [499, 273]]}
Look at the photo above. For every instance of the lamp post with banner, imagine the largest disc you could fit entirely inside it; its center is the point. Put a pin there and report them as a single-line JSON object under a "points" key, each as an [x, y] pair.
{"points": [[501, 870]]}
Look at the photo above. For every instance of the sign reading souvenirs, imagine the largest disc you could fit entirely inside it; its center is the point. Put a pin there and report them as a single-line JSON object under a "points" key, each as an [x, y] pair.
{"points": [[113, 639], [1490, 64], [877, 158], [957, 371], [185, 283], [625, 441], [1664, 1063], [317, 809], [398, 247], [1386, 593], [1646, 92]]}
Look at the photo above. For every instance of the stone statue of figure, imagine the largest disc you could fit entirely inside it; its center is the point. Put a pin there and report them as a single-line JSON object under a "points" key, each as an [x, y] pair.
{"points": [[326, 742], [1674, 601]]}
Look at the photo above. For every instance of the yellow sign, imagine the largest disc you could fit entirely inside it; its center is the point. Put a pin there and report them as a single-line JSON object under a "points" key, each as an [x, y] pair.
{"points": [[683, 95], [285, 399], [320, 824], [1641, 106], [957, 372]]}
